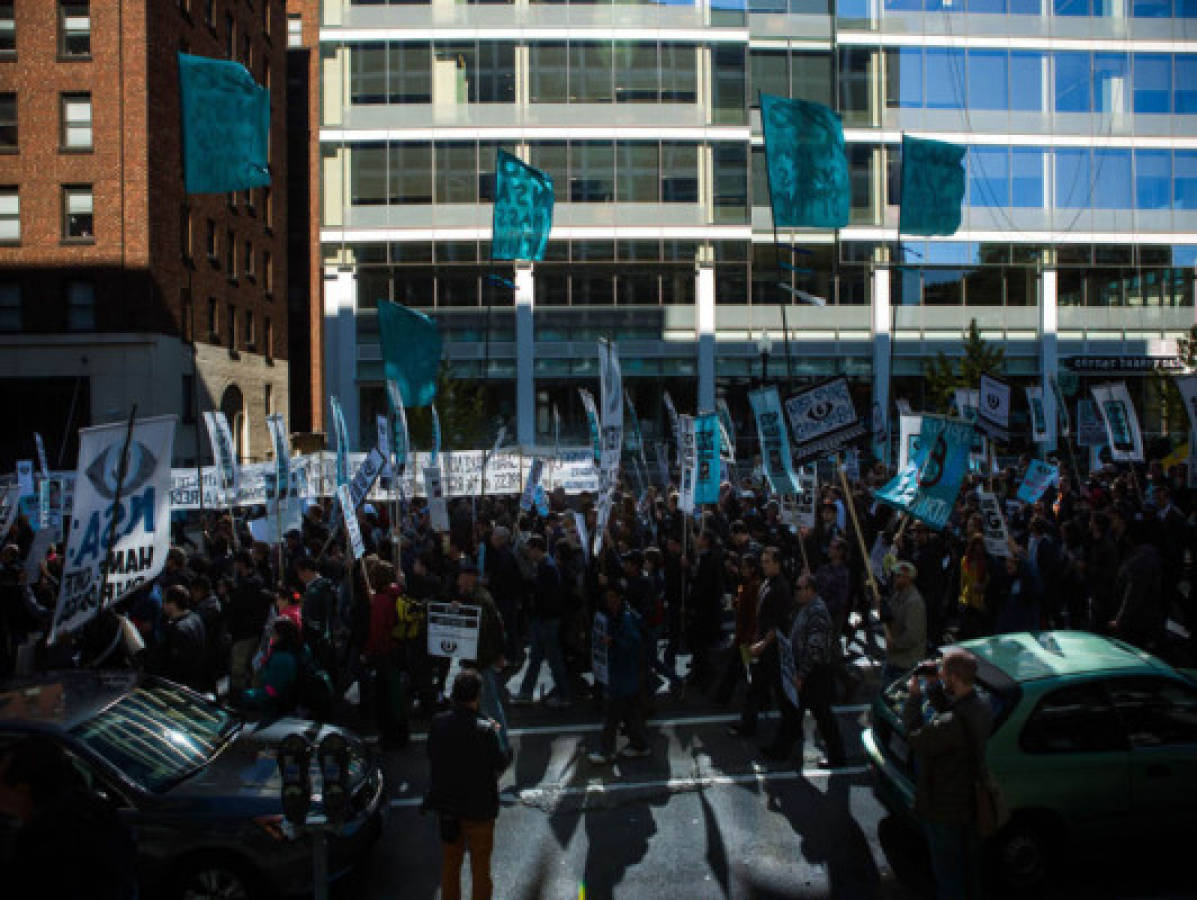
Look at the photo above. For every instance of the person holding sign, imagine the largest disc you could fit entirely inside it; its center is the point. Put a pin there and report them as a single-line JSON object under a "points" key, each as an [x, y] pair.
{"points": [[491, 641], [547, 608], [625, 641]]}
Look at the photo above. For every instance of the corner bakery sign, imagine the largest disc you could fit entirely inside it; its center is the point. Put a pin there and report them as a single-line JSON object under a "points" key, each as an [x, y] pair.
{"points": [[1122, 365]]}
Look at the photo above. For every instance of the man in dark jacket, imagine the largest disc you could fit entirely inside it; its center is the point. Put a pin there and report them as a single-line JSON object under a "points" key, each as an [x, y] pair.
{"points": [[491, 640], [774, 611], [466, 762], [207, 606], [705, 608], [625, 647], [948, 737], [319, 611], [180, 655], [248, 609], [506, 586], [1141, 617], [547, 609]]}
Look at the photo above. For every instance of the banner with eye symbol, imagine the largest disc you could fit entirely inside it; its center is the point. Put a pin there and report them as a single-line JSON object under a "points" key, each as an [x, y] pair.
{"points": [[823, 419]]}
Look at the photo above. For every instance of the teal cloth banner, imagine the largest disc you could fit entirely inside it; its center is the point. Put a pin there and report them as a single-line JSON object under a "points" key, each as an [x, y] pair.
{"points": [[727, 436], [225, 127], [523, 215], [399, 419], [806, 163], [927, 487], [706, 444], [932, 186], [1039, 477], [776, 459], [411, 351], [436, 437], [342, 435]]}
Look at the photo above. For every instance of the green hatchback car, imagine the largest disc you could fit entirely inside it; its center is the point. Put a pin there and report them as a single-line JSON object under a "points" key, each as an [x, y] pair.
{"points": [[1091, 738]]}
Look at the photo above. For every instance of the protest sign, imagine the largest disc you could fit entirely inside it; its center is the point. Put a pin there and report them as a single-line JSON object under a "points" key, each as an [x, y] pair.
{"points": [[25, 478], [927, 487], [349, 517], [438, 509], [823, 419], [1038, 478], [1122, 425], [453, 630], [532, 484], [775, 443], [367, 473], [996, 535], [993, 408], [706, 459]]}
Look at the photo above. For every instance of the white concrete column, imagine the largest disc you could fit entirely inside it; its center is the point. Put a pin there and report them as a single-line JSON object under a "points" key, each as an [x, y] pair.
{"points": [[704, 331], [1049, 361], [882, 351], [525, 356], [340, 349]]}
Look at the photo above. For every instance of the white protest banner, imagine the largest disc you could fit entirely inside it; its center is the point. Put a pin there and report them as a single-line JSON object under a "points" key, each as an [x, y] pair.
{"points": [[583, 534], [598, 649], [438, 507], [141, 536], [367, 473], [823, 419], [41, 454], [453, 630], [611, 421], [789, 670], [25, 478], [531, 484], [1041, 430], [996, 535], [687, 448], [993, 408], [603, 513], [909, 428], [349, 517], [221, 439], [1122, 425]]}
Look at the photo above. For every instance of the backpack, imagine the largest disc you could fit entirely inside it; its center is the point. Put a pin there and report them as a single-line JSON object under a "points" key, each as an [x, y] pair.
{"points": [[316, 692]]}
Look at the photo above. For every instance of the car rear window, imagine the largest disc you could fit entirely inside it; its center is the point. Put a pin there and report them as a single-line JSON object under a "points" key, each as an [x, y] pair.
{"points": [[157, 734]]}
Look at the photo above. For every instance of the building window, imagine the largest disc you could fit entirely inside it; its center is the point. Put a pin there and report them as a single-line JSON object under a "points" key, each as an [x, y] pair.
{"points": [[249, 330], [232, 320], [267, 272], [267, 339], [294, 30], [8, 31], [247, 260], [210, 240], [8, 122], [10, 306], [230, 255], [75, 126], [268, 398], [213, 321], [74, 29], [81, 306], [77, 213]]}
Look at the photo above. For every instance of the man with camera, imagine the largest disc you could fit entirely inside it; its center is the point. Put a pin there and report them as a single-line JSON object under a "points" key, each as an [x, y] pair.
{"points": [[947, 726], [466, 762], [904, 619]]}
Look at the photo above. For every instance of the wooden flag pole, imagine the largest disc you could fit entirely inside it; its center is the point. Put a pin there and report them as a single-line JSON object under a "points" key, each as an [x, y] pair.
{"points": [[848, 499]]}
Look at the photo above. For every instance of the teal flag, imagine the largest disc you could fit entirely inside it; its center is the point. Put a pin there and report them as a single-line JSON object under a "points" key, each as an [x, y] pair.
{"points": [[776, 459], [706, 444], [399, 418], [523, 215], [436, 437], [342, 435], [411, 351], [806, 163], [932, 186], [927, 487], [1039, 477], [226, 126]]}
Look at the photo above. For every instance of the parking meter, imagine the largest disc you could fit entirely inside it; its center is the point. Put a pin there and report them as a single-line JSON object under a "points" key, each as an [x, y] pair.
{"points": [[333, 757], [294, 766]]}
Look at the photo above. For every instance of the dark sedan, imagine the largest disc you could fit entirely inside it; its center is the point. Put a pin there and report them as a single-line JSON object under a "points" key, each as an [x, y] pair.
{"points": [[198, 784]]}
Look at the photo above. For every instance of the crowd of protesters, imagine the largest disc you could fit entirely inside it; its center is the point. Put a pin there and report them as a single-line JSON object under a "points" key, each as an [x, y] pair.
{"points": [[271, 629]]}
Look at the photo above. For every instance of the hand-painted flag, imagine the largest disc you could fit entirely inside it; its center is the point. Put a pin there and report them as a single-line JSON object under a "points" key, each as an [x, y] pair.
{"points": [[927, 486], [523, 214], [411, 351], [226, 126], [806, 164], [932, 186]]}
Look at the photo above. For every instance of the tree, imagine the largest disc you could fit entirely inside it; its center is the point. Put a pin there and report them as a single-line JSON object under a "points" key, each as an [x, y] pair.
{"points": [[945, 375], [461, 406]]}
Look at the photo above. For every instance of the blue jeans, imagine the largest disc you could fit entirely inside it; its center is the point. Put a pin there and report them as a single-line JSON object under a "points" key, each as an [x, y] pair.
{"points": [[546, 644], [490, 704], [955, 860]]}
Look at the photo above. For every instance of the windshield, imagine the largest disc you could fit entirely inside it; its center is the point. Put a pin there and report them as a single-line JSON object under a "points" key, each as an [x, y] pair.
{"points": [[158, 734]]}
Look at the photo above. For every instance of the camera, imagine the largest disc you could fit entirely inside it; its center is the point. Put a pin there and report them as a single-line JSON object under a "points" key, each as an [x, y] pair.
{"points": [[927, 669]]}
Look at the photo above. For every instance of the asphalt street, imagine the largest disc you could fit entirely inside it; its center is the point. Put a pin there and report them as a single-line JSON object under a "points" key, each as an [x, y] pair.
{"points": [[704, 817]]}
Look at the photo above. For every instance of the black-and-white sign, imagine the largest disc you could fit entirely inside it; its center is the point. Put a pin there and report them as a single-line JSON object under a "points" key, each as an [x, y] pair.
{"points": [[438, 507], [993, 408], [996, 536], [453, 630], [823, 419], [349, 517], [367, 474]]}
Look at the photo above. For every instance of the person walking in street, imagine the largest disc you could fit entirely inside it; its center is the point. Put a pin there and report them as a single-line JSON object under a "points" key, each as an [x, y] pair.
{"points": [[491, 641], [623, 706], [811, 640], [774, 612], [547, 608], [904, 619], [181, 654], [947, 726], [465, 761]]}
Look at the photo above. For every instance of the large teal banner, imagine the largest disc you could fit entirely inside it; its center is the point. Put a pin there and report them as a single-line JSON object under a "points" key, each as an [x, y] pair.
{"points": [[927, 487], [932, 186], [523, 215], [411, 351], [806, 163], [776, 459], [226, 126], [706, 445]]}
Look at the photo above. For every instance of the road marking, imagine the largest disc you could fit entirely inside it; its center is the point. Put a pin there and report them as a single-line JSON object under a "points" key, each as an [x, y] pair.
{"points": [[593, 727], [670, 784]]}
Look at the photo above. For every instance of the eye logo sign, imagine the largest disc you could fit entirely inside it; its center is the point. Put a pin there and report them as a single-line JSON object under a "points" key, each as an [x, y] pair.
{"points": [[449, 647], [933, 468], [820, 410], [993, 401], [104, 470]]}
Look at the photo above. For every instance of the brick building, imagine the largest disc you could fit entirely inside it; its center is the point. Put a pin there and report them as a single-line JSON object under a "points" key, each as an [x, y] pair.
{"points": [[115, 286]]}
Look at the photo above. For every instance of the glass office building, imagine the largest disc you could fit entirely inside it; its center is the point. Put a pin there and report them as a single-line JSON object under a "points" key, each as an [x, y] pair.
{"points": [[1076, 251]]}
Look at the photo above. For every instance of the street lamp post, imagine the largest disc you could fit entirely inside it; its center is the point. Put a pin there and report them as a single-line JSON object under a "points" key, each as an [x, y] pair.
{"points": [[764, 345]]}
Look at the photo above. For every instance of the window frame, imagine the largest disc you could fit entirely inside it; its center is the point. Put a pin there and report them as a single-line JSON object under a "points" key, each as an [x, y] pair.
{"points": [[72, 306], [1095, 684], [8, 24], [64, 35], [15, 124], [64, 126], [68, 191]]}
